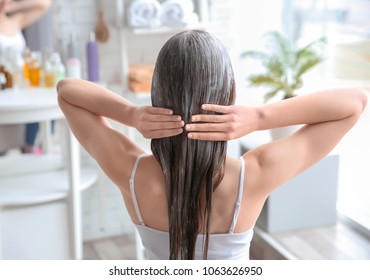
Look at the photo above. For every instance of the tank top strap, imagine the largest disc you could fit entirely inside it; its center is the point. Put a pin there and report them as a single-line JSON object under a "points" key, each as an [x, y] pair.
{"points": [[132, 188], [239, 198]]}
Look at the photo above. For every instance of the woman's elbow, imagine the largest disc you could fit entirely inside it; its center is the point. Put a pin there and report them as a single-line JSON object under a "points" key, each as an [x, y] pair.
{"points": [[362, 99], [61, 86], [64, 85]]}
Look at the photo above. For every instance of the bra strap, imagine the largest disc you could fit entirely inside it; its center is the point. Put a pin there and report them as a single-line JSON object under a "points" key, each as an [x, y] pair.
{"points": [[132, 190], [239, 199]]}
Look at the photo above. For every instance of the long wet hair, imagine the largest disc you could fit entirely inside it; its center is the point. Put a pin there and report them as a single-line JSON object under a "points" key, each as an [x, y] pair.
{"points": [[192, 68]]}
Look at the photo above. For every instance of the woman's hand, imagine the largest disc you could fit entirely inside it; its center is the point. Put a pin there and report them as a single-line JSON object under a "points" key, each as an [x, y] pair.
{"points": [[153, 122], [234, 122]]}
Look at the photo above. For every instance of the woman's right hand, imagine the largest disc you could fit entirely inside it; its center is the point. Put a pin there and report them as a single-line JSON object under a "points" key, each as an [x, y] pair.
{"points": [[233, 122], [154, 122]]}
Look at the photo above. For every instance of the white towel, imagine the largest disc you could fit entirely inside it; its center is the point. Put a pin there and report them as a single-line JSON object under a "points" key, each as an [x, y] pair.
{"points": [[144, 13], [178, 13]]}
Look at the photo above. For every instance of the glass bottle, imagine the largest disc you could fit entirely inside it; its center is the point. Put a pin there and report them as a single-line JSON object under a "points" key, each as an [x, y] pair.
{"points": [[2, 81], [49, 75], [34, 70], [26, 71]]}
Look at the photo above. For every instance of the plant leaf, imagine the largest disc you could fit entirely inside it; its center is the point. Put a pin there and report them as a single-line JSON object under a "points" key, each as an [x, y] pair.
{"points": [[307, 65], [270, 94], [264, 80], [309, 50], [275, 67], [281, 47], [255, 54]]}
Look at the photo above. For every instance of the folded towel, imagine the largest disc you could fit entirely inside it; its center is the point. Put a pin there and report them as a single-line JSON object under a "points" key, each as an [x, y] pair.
{"points": [[144, 13], [178, 13]]}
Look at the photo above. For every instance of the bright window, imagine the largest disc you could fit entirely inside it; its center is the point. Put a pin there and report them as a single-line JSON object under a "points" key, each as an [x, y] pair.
{"points": [[346, 25]]}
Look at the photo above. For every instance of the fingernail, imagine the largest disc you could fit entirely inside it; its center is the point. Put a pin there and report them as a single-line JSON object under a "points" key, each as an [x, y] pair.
{"points": [[187, 127], [193, 119], [204, 106], [190, 135]]}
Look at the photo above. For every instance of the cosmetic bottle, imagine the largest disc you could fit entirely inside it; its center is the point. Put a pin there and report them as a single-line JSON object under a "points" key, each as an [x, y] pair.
{"points": [[5, 70], [3, 76], [18, 67], [49, 75], [34, 68], [92, 59], [2, 81], [26, 55], [73, 62], [58, 67]]}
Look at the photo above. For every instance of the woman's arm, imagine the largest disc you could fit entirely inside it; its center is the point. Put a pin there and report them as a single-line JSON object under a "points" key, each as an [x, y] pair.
{"points": [[328, 116], [87, 107], [26, 12]]}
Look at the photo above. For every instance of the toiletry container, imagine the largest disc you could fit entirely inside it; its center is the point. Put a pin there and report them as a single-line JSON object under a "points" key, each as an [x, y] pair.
{"points": [[92, 59], [49, 75], [73, 62], [34, 68], [2, 81], [4, 69], [58, 67]]}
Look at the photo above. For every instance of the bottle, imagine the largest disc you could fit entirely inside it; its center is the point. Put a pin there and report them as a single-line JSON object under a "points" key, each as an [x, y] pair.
{"points": [[49, 75], [26, 71], [58, 67], [8, 77], [18, 66], [34, 67], [60, 72], [14, 66], [92, 59], [2, 75], [2, 81], [73, 62]]}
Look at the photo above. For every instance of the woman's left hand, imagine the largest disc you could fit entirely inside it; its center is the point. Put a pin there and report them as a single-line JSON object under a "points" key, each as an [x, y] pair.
{"points": [[232, 122], [154, 122]]}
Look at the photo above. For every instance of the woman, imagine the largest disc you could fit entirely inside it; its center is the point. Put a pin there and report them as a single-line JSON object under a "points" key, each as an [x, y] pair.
{"points": [[189, 200], [15, 16]]}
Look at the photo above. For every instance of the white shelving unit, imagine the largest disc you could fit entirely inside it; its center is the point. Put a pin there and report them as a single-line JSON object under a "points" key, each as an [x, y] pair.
{"points": [[40, 196]]}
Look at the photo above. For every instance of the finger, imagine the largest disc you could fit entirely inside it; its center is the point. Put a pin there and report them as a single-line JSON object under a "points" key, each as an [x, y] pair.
{"points": [[214, 136], [204, 127], [163, 133], [160, 111], [165, 125], [217, 108], [164, 118], [210, 118]]}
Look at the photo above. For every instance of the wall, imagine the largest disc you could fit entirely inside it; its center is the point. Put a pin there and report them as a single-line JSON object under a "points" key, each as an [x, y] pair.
{"points": [[80, 17]]}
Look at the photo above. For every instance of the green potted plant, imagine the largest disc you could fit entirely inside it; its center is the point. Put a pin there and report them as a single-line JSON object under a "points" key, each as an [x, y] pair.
{"points": [[284, 64]]}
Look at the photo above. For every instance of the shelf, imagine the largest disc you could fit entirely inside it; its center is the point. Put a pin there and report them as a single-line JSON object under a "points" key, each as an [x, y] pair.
{"points": [[41, 187], [165, 29], [29, 163]]}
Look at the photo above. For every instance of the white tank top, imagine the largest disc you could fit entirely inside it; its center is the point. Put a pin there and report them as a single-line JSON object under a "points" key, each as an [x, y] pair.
{"points": [[226, 246], [15, 42]]}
